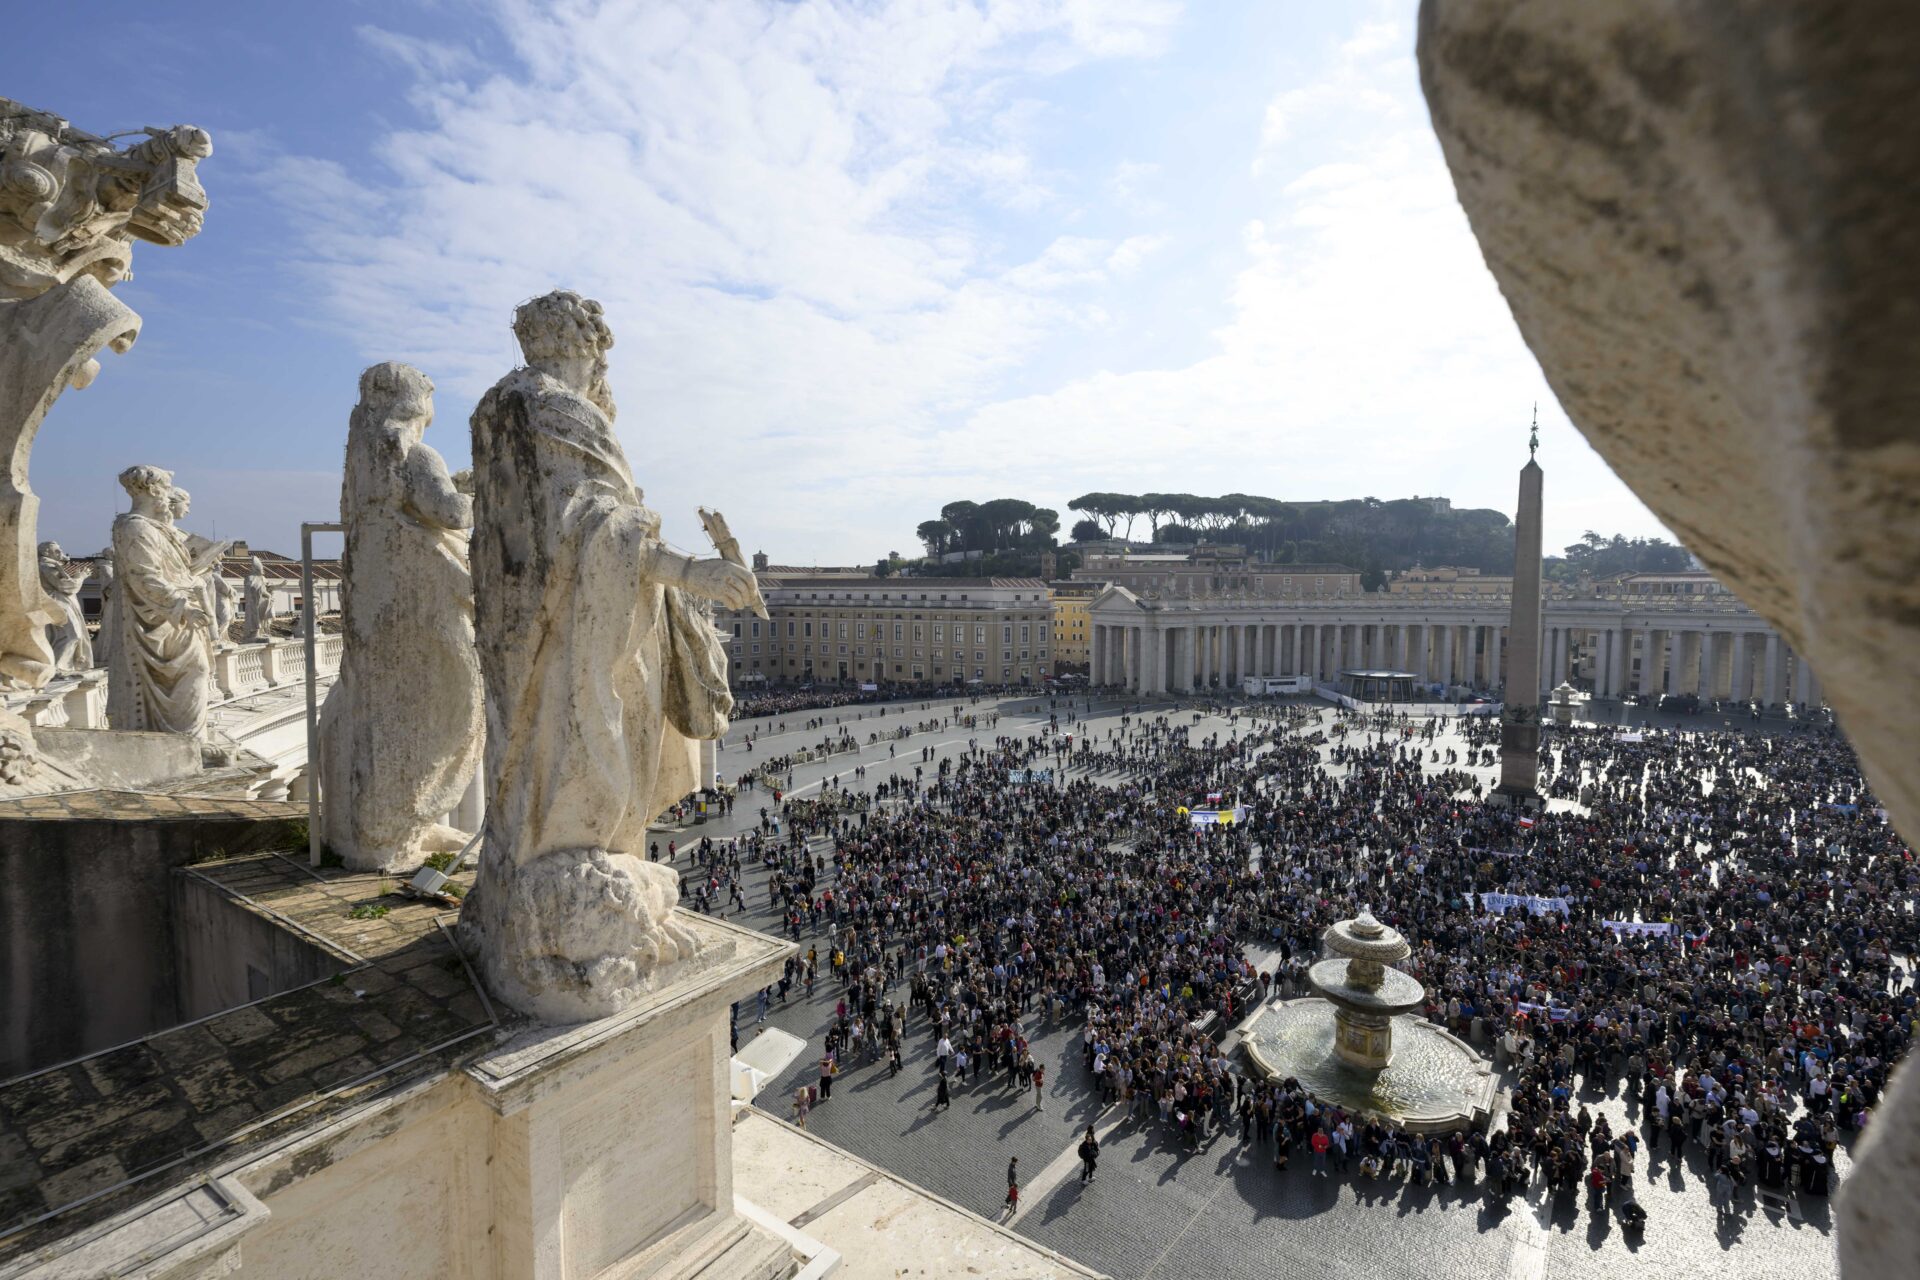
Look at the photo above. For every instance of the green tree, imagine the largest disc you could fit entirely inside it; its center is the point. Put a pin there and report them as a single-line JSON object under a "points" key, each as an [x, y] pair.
{"points": [[1088, 531]]}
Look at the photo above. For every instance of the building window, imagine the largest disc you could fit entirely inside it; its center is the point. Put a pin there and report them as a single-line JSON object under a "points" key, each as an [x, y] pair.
{"points": [[790, 626], [899, 631], [756, 635], [736, 631]]}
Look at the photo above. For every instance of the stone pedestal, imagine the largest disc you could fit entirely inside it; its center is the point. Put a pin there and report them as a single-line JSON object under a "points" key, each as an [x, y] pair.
{"points": [[610, 1154]]}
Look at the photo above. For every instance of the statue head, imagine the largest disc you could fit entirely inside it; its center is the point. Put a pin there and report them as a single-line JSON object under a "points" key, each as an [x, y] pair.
{"points": [[396, 394], [151, 489], [565, 336], [179, 503], [257, 569]]}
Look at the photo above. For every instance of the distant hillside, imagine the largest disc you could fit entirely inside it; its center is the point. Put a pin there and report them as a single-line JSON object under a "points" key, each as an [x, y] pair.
{"points": [[1006, 536]]}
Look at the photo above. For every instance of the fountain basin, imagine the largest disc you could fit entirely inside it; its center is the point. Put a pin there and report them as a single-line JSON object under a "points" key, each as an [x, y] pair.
{"points": [[1435, 1082]]}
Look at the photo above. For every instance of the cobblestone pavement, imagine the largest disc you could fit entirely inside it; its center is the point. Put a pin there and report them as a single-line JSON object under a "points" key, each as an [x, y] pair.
{"points": [[1221, 1210]]}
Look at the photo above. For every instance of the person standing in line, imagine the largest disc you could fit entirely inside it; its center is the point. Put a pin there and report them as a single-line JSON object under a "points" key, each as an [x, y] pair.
{"points": [[1089, 1155], [826, 1077]]}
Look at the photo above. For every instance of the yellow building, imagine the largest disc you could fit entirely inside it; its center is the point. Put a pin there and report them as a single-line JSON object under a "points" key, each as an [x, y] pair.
{"points": [[1072, 649]]}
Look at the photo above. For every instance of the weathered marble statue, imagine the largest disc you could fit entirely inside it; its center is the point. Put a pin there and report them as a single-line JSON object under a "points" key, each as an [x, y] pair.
{"points": [[162, 669], [215, 596], [71, 206], [602, 672], [403, 726], [259, 596], [68, 637]]}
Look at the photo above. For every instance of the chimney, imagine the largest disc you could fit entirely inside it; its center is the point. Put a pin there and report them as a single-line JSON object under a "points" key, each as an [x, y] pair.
{"points": [[759, 562]]}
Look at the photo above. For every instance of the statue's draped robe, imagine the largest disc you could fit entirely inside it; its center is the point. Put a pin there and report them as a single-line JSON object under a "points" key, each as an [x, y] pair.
{"points": [[259, 607], [162, 669], [67, 635], [401, 729], [599, 679]]}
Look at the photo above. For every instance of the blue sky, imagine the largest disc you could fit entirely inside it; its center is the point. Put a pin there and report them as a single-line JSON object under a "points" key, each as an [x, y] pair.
{"points": [[860, 259]]}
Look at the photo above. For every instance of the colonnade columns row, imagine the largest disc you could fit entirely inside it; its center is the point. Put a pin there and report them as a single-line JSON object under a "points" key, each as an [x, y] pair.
{"points": [[1446, 655], [1709, 667], [1739, 674]]}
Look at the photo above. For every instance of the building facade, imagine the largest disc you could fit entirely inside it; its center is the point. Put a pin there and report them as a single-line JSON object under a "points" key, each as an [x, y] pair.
{"points": [[1707, 644], [1071, 600], [842, 628], [1214, 571]]}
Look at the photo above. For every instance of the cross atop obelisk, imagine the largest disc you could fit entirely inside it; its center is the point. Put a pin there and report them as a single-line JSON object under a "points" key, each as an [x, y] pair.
{"points": [[1520, 709]]}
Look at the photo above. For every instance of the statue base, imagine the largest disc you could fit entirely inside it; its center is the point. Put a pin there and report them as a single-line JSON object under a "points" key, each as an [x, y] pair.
{"points": [[615, 1136], [577, 934]]}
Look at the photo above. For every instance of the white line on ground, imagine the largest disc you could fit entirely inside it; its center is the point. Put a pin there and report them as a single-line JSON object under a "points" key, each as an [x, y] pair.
{"points": [[1066, 1162]]}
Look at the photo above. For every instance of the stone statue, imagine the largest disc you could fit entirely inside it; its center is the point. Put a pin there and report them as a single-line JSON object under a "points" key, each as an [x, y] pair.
{"points": [[68, 637], [198, 548], [602, 672], [259, 595], [403, 726], [162, 644], [71, 206]]}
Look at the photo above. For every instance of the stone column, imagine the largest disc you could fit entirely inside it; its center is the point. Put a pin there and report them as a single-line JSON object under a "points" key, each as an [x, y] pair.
{"points": [[1676, 656], [1336, 655], [1740, 677], [1708, 667], [1446, 655], [1774, 670], [1520, 713], [1619, 642], [1097, 668]]}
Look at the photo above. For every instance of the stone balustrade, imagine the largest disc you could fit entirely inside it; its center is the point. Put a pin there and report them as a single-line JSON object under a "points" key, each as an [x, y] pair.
{"points": [[75, 701], [79, 700]]}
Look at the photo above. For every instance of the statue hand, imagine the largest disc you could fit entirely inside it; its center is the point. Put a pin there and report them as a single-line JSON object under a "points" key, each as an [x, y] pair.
{"points": [[723, 581], [188, 613]]}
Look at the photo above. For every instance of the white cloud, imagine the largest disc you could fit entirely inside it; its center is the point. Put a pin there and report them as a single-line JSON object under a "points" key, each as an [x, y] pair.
{"points": [[1367, 350], [798, 216], [784, 207]]}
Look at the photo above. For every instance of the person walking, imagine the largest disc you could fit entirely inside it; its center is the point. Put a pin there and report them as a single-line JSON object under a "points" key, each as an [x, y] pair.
{"points": [[1089, 1155], [941, 1096], [1013, 1187], [1039, 1087]]}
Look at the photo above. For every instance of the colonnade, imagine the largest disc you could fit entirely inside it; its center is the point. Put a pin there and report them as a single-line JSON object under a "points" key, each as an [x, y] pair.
{"points": [[1611, 657]]}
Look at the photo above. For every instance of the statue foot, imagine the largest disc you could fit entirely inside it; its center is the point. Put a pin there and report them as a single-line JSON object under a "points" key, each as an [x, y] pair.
{"points": [[577, 934]]}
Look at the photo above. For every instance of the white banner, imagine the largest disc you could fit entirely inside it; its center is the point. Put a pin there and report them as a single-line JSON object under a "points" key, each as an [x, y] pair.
{"points": [[1499, 903], [1660, 929]]}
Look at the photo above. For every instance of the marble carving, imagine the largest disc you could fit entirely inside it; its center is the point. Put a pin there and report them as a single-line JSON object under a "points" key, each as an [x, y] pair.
{"points": [[259, 598], [401, 732], [71, 206], [162, 672], [67, 637], [602, 673]]}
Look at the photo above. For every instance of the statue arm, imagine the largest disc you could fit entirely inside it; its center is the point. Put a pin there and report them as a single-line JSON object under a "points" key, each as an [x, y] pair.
{"points": [[431, 496], [717, 580]]}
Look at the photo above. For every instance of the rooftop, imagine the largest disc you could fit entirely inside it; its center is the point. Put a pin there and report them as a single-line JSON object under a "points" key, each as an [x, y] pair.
{"points": [[87, 1138]]}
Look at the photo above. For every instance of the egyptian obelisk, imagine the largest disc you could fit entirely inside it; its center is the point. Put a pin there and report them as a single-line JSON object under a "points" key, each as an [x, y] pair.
{"points": [[1520, 709]]}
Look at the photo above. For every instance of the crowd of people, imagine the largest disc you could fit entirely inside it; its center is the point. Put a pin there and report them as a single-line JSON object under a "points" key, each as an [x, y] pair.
{"points": [[1719, 930]]}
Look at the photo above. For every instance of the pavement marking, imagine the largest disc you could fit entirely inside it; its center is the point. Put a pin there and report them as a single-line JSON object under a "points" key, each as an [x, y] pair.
{"points": [[1066, 1162], [838, 1198]]}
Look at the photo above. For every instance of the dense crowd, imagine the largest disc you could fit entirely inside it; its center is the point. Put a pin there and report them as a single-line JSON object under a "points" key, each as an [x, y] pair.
{"points": [[1723, 932]]}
